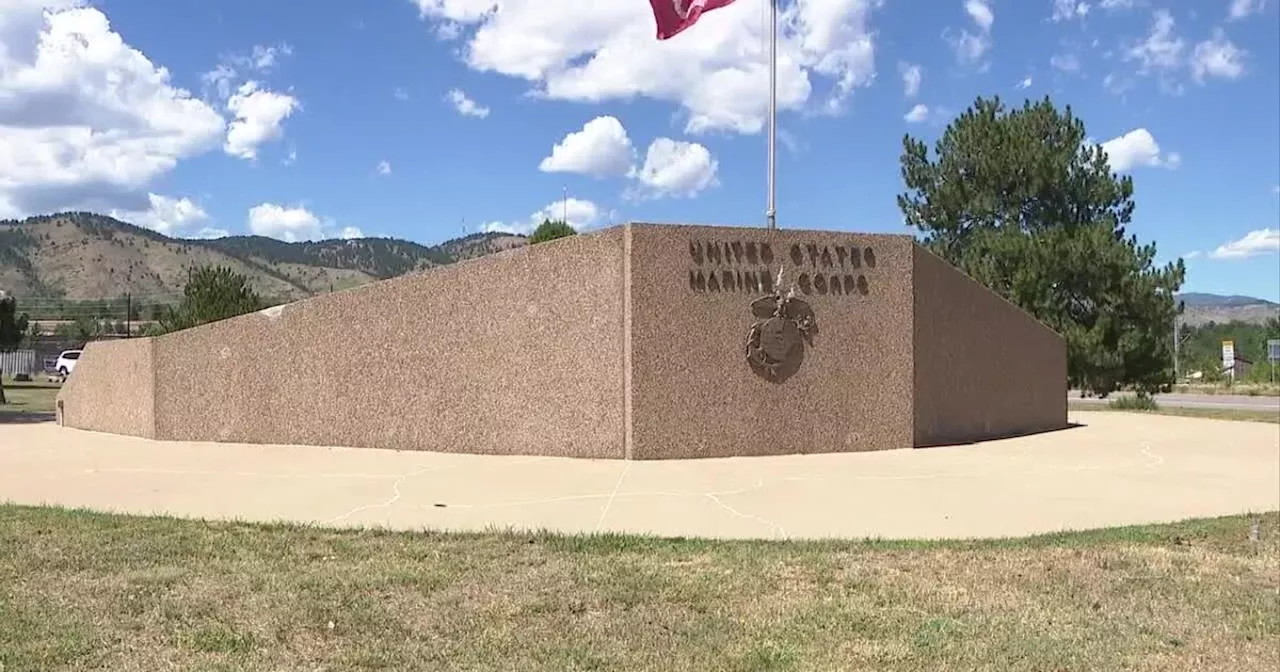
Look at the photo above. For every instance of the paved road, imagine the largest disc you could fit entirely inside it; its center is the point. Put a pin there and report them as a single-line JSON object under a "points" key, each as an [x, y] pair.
{"points": [[1218, 401], [1117, 469]]}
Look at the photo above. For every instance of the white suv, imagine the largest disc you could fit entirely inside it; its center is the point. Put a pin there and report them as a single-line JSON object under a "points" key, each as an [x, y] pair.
{"points": [[67, 362]]}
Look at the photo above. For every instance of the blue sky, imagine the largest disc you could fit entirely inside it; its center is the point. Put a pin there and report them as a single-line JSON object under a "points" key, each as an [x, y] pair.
{"points": [[430, 118]]}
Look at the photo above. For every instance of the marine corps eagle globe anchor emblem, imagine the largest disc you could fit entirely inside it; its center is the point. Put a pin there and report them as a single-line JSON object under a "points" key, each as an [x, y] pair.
{"points": [[776, 342]]}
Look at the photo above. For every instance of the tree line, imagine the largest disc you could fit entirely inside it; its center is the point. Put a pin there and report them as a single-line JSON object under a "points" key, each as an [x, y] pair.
{"points": [[1201, 348]]}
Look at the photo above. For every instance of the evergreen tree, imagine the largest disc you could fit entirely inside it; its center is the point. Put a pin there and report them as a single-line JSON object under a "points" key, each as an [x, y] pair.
{"points": [[13, 329], [212, 293], [550, 230], [1019, 200]]}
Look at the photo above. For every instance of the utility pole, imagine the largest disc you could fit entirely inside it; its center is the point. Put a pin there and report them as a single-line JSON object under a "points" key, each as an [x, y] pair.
{"points": [[128, 314], [564, 216], [1178, 338]]}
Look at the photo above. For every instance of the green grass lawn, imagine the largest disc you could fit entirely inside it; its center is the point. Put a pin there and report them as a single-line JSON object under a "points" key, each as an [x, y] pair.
{"points": [[90, 591], [1246, 415], [29, 398]]}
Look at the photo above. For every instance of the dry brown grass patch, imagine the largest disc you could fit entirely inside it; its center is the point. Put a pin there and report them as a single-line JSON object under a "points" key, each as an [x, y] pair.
{"points": [[89, 591]]}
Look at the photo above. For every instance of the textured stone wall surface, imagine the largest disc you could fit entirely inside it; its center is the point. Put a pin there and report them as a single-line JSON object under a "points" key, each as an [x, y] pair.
{"points": [[112, 389], [983, 367], [515, 353], [692, 391]]}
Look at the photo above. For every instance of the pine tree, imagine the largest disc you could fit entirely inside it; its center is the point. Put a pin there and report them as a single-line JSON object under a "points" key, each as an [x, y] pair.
{"points": [[13, 329], [212, 293], [1022, 202], [550, 230]]}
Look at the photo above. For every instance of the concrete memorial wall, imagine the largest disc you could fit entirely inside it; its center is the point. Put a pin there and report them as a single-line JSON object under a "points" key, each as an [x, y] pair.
{"points": [[642, 341]]}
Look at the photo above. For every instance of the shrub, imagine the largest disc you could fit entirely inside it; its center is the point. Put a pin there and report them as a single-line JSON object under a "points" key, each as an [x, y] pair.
{"points": [[1134, 402]]}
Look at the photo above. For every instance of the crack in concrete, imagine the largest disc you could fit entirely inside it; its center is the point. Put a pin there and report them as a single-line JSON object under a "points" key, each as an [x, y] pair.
{"points": [[778, 530], [612, 496], [714, 496], [395, 497], [1156, 459]]}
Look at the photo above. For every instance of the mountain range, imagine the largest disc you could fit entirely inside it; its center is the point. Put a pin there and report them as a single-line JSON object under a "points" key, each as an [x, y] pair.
{"points": [[85, 256], [1200, 308]]}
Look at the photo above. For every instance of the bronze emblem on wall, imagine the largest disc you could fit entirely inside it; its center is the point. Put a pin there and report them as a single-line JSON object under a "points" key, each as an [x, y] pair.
{"points": [[784, 326]]}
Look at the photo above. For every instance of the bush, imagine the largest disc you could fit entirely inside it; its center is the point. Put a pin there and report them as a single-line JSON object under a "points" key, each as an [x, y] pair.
{"points": [[1134, 402]]}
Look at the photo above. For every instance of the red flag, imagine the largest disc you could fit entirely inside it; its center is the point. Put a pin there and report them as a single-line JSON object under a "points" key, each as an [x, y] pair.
{"points": [[673, 16]]}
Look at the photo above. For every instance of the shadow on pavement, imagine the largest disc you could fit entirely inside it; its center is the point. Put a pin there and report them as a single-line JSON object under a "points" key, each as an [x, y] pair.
{"points": [[1001, 437]]}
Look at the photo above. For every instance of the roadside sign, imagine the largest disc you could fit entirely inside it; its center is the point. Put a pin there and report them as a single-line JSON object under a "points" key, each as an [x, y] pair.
{"points": [[1273, 349], [1228, 354]]}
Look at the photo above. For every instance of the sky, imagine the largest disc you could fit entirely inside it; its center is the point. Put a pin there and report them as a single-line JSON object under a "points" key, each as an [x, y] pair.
{"points": [[430, 119]]}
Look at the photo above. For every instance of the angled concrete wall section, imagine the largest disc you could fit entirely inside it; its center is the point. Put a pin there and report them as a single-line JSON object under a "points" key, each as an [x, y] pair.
{"points": [[112, 389], [983, 367], [692, 392], [520, 352]]}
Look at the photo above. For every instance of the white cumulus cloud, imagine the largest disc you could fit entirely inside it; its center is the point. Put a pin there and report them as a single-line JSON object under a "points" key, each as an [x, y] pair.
{"points": [[970, 47], [170, 216], [981, 13], [295, 223], [1065, 62], [1254, 243], [1162, 48], [600, 149], [1138, 149], [1239, 9], [259, 119], [675, 168], [1165, 53], [384, 168], [1066, 10], [1217, 57], [917, 114], [718, 73], [465, 105], [911, 78], [87, 121], [220, 81], [264, 58], [576, 212]]}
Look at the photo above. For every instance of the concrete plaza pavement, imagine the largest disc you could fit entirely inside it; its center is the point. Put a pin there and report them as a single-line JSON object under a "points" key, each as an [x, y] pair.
{"points": [[1115, 469]]}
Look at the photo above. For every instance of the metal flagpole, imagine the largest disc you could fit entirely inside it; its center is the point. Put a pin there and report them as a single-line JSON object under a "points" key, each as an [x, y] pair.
{"points": [[771, 213]]}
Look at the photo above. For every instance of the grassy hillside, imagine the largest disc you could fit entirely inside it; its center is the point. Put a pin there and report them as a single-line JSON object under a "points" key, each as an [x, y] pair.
{"points": [[83, 256]]}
